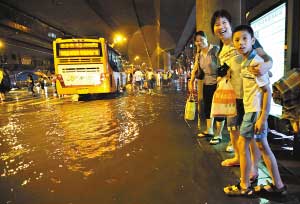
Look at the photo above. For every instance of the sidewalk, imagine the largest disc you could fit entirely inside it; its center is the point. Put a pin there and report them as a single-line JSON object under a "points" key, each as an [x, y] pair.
{"points": [[289, 167]]}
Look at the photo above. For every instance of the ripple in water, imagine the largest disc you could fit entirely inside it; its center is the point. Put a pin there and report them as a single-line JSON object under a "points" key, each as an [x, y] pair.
{"points": [[71, 135]]}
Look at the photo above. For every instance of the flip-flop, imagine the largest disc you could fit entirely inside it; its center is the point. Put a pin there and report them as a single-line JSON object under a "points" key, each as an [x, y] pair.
{"points": [[203, 134], [228, 163], [215, 140], [261, 189], [254, 180]]}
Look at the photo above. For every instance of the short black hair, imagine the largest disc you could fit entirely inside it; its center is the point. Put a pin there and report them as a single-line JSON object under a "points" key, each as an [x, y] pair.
{"points": [[244, 28], [201, 33], [219, 14]]}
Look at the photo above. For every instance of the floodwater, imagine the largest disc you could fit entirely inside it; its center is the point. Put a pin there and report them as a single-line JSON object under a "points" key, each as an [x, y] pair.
{"points": [[133, 148]]}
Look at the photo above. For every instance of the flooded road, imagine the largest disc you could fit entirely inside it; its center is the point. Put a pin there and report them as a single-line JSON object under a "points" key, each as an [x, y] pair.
{"points": [[135, 148]]}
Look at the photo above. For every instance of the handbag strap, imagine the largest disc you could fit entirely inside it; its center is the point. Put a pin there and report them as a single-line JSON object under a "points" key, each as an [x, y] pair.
{"points": [[191, 96]]}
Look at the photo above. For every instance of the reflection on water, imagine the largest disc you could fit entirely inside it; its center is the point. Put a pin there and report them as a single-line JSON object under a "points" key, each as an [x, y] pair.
{"points": [[69, 136]]}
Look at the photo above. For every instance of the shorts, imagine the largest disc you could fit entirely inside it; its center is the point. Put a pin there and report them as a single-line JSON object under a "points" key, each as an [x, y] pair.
{"points": [[247, 127], [138, 83], [234, 123], [151, 84]]}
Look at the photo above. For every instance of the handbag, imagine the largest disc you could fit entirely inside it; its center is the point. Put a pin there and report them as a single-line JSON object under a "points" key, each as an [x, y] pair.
{"points": [[199, 74], [224, 100], [190, 108], [222, 70]]}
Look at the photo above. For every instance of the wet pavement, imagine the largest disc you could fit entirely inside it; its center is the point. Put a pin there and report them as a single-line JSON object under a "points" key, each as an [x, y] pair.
{"points": [[132, 148]]}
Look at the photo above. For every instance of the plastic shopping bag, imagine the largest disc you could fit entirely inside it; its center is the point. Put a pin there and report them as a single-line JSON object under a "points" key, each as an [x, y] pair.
{"points": [[224, 100], [190, 108]]}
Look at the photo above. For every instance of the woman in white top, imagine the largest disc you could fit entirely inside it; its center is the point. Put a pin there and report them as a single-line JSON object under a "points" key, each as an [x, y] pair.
{"points": [[205, 68]]}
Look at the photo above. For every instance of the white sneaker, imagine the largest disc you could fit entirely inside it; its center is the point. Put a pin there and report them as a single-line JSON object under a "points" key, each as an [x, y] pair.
{"points": [[229, 147], [215, 140]]}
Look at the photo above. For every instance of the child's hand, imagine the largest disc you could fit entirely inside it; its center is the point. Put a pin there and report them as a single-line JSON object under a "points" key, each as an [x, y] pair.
{"points": [[258, 128]]}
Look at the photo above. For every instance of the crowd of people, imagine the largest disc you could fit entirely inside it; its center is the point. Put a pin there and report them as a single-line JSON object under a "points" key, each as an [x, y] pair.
{"points": [[248, 74], [40, 86], [148, 79]]}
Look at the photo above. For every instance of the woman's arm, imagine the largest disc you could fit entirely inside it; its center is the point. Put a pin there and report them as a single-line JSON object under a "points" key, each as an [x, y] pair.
{"points": [[268, 62], [261, 68], [193, 73]]}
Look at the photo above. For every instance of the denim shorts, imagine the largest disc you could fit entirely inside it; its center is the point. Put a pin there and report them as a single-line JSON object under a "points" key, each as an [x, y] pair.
{"points": [[234, 123], [247, 127]]}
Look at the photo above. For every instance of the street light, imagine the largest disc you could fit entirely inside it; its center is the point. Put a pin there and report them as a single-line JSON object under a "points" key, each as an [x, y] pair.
{"points": [[119, 39], [136, 58], [1, 44]]}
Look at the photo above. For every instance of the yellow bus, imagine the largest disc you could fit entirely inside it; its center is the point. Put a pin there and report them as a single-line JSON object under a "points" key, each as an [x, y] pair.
{"points": [[87, 66]]}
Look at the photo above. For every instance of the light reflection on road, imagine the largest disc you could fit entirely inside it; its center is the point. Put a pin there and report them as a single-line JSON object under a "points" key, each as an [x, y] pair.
{"points": [[68, 135]]}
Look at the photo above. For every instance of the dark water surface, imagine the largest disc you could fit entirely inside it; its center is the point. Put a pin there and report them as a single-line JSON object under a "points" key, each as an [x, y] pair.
{"points": [[130, 149]]}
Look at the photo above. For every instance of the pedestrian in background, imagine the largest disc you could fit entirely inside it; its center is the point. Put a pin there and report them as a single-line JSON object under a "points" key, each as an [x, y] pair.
{"points": [[2, 95], [30, 82], [151, 80], [138, 79], [158, 79], [42, 84], [5, 84]]}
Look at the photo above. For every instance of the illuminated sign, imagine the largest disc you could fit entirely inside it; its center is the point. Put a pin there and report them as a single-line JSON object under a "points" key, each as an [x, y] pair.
{"points": [[79, 45], [16, 26], [79, 52], [26, 60], [269, 29], [79, 49]]}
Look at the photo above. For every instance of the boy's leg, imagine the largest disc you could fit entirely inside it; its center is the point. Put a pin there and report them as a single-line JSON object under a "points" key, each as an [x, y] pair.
{"points": [[255, 157], [270, 162], [234, 161], [245, 161]]}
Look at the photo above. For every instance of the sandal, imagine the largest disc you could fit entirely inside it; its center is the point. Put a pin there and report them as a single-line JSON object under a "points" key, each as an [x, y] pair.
{"points": [[204, 134], [254, 180], [215, 140], [270, 188], [236, 190], [230, 163]]}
